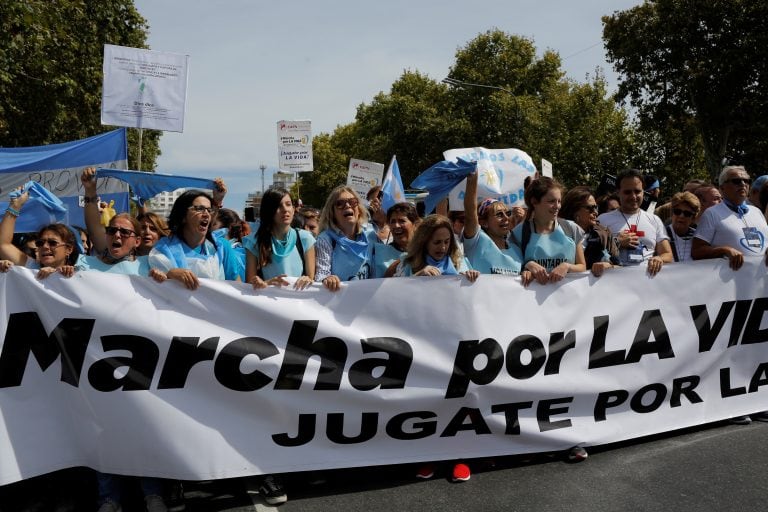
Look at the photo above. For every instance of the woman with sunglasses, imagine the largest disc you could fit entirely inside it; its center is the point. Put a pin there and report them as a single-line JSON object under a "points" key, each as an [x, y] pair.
{"points": [[114, 247], [345, 246], [685, 208], [600, 249], [487, 249], [548, 247], [54, 245]]}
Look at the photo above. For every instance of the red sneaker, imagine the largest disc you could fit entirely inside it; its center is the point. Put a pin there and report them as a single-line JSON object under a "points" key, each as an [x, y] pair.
{"points": [[461, 473], [426, 472]]}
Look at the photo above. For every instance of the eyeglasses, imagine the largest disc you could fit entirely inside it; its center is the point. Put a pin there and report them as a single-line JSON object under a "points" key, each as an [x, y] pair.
{"points": [[340, 204], [590, 207], [125, 233], [199, 209], [684, 213], [50, 242], [739, 181], [503, 213]]}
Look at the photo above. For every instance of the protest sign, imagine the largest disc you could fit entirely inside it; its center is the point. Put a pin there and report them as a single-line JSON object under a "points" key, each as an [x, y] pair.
{"points": [[363, 175], [501, 174], [129, 376], [294, 146], [144, 88]]}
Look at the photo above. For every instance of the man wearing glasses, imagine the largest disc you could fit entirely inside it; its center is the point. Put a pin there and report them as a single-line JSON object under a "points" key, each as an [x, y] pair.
{"points": [[732, 228]]}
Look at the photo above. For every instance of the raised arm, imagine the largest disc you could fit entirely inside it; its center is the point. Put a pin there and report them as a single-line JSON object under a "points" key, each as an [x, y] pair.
{"points": [[9, 251], [471, 222], [91, 214]]}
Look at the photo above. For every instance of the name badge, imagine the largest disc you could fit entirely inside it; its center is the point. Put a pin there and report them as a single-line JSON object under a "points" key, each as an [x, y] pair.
{"points": [[753, 238]]}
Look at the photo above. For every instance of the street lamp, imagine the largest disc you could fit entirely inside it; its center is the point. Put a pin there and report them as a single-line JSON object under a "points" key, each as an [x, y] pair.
{"points": [[263, 168]]}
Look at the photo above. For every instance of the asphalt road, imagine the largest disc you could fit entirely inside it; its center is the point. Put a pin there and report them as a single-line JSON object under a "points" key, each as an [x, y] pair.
{"points": [[716, 467]]}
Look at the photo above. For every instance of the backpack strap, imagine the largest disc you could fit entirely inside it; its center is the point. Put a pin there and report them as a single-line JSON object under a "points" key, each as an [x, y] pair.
{"points": [[300, 249], [672, 242]]}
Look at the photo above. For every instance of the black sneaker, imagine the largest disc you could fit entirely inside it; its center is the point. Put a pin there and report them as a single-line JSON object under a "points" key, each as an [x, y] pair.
{"points": [[272, 490]]}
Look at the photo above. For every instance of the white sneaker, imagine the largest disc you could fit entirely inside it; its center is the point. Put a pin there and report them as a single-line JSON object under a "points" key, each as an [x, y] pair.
{"points": [[155, 503]]}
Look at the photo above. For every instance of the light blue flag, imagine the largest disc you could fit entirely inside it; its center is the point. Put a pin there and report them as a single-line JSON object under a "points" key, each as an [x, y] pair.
{"points": [[42, 208], [392, 187], [440, 179], [146, 185]]}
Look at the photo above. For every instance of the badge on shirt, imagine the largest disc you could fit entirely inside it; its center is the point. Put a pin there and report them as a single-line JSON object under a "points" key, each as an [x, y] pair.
{"points": [[753, 238]]}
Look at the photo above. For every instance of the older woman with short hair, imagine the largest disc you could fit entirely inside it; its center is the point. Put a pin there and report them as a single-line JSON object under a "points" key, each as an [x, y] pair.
{"points": [[685, 209]]}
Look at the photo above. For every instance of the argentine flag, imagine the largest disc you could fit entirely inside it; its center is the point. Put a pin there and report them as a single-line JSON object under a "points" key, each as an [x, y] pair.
{"points": [[392, 187]]}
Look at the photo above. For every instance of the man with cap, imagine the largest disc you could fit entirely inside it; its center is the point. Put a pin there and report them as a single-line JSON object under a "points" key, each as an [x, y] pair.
{"points": [[652, 191], [754, 192]]}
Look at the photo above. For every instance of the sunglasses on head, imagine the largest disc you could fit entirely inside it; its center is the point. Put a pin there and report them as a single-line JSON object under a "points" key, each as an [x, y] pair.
{"points": [[739, 181], [340, 204], [50, 242], [126, 233], [684, 213]]}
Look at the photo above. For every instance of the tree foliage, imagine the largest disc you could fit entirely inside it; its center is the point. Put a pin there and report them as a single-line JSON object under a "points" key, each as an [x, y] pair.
{"points": [[51, 57], [697, 69], [530, 106]]}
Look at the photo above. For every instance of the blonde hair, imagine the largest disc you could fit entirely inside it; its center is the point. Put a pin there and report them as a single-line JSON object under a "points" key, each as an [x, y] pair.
{"points": [[417, 247], [327, 219], [687, 198]]}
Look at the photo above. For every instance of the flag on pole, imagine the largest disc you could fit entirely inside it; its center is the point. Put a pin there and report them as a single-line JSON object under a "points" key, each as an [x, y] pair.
{"points": [[392, 186]]}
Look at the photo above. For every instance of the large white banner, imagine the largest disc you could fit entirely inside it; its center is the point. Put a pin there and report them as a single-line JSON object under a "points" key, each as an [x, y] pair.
{"points": [[501, 173], [144, 88], [129, 376], [363, 175], [294, 146]]}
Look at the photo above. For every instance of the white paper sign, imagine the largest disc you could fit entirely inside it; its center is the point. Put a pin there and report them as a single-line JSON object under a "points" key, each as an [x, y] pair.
{"points": [[144, 88], [294, 145], [501, 174], [363, 175], [546, 168]]}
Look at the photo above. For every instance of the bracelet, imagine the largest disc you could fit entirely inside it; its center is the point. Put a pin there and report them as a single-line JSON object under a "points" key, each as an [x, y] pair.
{"points": [[13, 211], [90, 199]]}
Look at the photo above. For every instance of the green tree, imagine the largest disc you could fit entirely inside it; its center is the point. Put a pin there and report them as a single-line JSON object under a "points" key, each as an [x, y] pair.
{"points": [[51, 70], [500, 96], [699, 64]]}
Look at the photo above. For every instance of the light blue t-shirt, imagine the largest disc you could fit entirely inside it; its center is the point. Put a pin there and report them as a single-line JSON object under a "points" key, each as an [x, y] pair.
{"points": [[485, 257], [548, 250], [204, 261], [291, 264], [137, 267], [383, 256]]}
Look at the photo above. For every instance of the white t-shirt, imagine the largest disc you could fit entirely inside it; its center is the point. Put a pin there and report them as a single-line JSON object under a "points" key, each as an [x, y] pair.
{"points": [[719, 225], [651, 227]]}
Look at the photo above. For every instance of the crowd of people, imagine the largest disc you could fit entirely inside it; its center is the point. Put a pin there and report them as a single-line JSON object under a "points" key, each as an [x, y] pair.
{"points": [[557, 232]]}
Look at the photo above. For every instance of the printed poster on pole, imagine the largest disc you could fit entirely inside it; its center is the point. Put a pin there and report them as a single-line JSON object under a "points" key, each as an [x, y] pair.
{"points": [[144, 88], [294, 146]]}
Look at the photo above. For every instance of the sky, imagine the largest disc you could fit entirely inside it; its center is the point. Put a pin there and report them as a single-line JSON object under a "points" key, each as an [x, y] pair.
{"points": [[253, 63]]}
